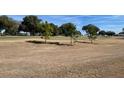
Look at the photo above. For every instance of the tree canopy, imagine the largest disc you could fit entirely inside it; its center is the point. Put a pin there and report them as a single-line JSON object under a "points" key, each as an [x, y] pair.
{"points": [[102, 32], [91, 31], [46, 30], [10, 25], [29, 24], [69, 29]]}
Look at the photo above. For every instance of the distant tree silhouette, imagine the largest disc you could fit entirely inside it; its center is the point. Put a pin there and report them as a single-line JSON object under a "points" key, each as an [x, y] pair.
{"points": [[110, 33], [102, 32]]}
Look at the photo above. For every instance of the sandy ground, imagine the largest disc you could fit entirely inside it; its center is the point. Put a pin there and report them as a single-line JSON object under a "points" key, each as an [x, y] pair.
{"points": [[22, 59]]}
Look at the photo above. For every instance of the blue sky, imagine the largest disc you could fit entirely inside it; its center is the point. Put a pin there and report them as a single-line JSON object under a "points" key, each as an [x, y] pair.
{"points": [[104, 22]]}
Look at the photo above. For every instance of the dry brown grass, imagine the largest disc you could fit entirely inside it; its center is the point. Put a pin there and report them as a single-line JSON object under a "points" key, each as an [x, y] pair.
{"points": [[105, 58]]}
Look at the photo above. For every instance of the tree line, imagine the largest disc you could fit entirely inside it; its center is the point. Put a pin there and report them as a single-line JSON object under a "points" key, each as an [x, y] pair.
{"points": [[35, 26]]}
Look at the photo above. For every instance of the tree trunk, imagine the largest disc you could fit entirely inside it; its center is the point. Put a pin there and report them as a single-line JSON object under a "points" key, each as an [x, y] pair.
{"points": [[45, 41], [71, 41], [91, 41], [26, 33]]}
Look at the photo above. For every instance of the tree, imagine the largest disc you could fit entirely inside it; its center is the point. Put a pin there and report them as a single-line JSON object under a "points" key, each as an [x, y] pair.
{"points": [[46, 30], [10, 25], [110, 33], [69, 29], [55, 30], [77, 34], [29, 24], [121, 33], [122, 29], [102, 32], [91, 31]]}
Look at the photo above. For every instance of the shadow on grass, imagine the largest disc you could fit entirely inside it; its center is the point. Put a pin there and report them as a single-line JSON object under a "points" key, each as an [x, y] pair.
{"points": [[84, 42], [41, 42]]}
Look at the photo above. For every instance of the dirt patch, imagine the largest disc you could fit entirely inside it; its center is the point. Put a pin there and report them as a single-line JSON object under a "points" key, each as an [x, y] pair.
{"points": [[104, 58]]}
